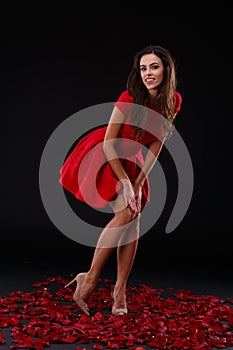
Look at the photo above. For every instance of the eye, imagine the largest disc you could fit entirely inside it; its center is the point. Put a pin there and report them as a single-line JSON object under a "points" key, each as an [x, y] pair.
{"points": [[142, 69], [155, 67]]}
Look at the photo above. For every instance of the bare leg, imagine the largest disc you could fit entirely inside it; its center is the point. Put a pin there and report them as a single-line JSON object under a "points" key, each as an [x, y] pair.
{"points": [[109, 239], [125, 259], [126, 255]]}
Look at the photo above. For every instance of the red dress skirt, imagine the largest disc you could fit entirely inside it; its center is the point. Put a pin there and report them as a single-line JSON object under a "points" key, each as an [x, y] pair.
{"points": [[87, 174]]}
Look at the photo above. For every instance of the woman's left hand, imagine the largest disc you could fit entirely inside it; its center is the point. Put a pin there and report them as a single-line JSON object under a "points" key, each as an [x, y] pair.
{"points": [[138, 196]]}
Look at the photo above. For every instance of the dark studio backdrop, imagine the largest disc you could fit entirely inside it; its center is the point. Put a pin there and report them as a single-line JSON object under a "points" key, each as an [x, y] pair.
{"points": [[55, 63]]}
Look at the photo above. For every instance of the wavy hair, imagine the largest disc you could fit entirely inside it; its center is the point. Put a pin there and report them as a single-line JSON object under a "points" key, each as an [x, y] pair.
{"points": [[165, 101]]}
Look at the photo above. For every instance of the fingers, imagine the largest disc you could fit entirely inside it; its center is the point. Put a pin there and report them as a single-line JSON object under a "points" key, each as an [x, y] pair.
{"points": [[132, 196], [129, 195], [133, 205], [138, 204], [130, 200], [138, 198]]}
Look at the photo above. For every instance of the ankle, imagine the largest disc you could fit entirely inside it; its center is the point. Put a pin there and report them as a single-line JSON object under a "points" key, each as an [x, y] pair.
{"points": [[119, 290], [91, 278]]}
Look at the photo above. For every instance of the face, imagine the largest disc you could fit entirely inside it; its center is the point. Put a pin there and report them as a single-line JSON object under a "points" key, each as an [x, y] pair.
{"points": [[151, 69]]}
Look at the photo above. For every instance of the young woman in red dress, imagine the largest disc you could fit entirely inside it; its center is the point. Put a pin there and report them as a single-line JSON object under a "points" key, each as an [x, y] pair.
{"points": [[122, 181]]}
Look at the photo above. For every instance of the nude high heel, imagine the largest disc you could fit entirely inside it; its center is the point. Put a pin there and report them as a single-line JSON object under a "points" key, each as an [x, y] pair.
{"points": [[76, 296], [120, 310]]}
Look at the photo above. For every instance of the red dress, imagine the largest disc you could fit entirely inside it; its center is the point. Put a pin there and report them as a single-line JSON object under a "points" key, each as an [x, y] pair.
{"points": [[86, 172]]}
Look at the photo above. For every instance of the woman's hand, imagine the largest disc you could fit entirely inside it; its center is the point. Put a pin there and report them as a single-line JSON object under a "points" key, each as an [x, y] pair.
{"points": [[138, 196], [129, 194]]}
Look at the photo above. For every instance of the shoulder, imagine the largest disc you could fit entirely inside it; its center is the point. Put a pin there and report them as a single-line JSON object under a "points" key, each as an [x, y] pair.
{"points": [[124, 102], [125, 97], [178, 102]]}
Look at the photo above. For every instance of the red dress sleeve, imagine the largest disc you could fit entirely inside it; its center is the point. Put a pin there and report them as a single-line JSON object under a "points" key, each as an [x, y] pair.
{"points": [[124, 102], [178, 101]]}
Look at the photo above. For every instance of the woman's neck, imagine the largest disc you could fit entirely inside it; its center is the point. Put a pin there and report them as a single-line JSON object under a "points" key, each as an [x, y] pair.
{"points": [[153, 97]]}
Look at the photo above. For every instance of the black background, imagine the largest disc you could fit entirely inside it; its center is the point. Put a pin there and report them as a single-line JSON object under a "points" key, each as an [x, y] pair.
{"points": [[55, 62]]}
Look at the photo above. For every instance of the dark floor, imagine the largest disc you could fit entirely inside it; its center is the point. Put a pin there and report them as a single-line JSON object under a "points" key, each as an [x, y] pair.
{"points": [[20, 274]]}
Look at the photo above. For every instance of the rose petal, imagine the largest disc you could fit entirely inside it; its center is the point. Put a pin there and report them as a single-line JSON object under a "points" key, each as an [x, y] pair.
{"points": [[184, 320]]}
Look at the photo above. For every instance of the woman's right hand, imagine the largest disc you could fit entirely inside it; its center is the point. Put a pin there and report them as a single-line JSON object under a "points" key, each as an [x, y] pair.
{"points": [[129, 194]]}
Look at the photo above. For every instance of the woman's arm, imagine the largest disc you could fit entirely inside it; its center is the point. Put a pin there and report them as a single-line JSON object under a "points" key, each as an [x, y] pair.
{"points": [[150, 160], [112, 133]]}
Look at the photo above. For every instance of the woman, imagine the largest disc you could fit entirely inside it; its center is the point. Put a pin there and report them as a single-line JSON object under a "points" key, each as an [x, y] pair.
{"points": [[122, 181]]}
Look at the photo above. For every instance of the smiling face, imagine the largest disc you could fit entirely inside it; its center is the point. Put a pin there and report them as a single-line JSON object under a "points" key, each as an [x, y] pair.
{"points": [[151, 70]]}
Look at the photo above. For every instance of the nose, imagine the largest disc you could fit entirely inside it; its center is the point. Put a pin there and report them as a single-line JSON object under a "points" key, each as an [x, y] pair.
{"points": [[148, 71]]}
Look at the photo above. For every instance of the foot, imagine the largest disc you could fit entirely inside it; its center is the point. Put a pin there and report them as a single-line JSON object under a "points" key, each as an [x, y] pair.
{"points": [[119, 307], [87, 286], [76, 297]]}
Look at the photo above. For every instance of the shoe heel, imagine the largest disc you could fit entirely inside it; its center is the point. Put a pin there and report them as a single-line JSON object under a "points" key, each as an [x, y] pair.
{"points": [[68, 284]]}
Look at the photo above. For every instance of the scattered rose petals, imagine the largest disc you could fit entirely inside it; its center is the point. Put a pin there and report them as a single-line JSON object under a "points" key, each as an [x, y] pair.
{"points": [[182, 320], [2, 340]]}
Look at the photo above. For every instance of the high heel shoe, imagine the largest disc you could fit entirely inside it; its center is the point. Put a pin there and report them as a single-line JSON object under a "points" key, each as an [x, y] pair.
{"points": [[120, 310], [76, 297]]}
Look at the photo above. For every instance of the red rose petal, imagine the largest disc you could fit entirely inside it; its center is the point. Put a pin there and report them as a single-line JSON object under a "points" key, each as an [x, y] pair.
{"points": [[2, 340], [228, 300], [184, 321]]}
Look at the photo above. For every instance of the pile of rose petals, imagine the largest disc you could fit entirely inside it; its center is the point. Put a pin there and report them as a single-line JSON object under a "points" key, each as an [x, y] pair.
{"points": [[182, 320]]}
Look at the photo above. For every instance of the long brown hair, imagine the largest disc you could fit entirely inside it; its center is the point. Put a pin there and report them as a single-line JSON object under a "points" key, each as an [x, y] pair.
{"points": [[165, 101]]}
